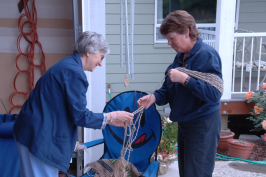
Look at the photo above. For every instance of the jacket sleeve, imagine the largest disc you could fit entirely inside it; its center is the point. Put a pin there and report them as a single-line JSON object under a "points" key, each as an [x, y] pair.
{"points": [[203, 90], [75, 86], [161, 95]]}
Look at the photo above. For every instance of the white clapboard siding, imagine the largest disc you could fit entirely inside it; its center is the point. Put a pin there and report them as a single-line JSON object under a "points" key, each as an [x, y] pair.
{"points": [[139, 29], [144, 58], [252, 15]]}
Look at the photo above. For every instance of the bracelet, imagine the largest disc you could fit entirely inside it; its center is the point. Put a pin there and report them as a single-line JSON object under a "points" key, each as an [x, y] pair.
{"points": [[186, 81], [111, 119]]}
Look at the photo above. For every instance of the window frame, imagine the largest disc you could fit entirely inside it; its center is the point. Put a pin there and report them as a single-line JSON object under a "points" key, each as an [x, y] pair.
{"points": [[156, 25]]}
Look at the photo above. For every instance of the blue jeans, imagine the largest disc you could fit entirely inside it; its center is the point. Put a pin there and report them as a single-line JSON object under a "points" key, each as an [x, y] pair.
{"points": [[197, 143]]}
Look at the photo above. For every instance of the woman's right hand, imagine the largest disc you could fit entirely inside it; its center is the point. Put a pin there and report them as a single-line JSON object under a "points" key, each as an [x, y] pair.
{"points": [[120, 118], [177, 76], [146, 101]]}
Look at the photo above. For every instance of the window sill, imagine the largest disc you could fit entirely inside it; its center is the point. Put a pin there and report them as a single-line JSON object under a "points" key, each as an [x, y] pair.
{"points": [[161, 45]]}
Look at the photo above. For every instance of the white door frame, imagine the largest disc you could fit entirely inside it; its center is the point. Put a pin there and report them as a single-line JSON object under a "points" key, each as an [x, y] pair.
{"points": [[93, 19]]}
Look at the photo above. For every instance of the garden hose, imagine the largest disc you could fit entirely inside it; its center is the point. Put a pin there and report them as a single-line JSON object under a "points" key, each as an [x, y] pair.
{"points": [[227, 158], [223, 157]]}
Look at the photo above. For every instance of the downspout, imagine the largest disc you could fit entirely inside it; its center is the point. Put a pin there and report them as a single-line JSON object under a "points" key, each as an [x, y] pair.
{"points": [[132, 38], [121, 33], [127, 40]]}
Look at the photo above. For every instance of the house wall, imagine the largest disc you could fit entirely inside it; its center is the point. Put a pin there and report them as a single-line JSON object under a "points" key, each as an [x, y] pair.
{"points": [[151, 60], [252, 15], [55, 31]]}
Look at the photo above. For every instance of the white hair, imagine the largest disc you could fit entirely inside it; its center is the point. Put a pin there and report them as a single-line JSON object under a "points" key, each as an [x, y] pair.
{"points": [[91, 42]]}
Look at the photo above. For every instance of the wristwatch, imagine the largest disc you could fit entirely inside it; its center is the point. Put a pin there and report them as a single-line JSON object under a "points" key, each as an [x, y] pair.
{"points": [[186, 81]]}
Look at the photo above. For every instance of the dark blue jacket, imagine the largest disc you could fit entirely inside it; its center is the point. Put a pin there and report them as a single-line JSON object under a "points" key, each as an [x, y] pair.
{"points": [[196, 99], [47, 123]]}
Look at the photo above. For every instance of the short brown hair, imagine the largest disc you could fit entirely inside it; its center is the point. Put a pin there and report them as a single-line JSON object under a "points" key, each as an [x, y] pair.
{"points": [[178, 21]]}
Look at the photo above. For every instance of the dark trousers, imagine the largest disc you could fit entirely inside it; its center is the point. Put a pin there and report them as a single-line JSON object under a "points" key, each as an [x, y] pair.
{"points": [[197, 143]]}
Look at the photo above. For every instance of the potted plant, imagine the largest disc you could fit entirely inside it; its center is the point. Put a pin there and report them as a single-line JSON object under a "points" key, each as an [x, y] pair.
{"points": [[167, 147], [240, 148], [223, 144]]}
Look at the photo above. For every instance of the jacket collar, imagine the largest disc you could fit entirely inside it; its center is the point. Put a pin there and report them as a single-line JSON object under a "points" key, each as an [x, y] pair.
{"points": [[77, 59], [192, 52], [196, 47]]}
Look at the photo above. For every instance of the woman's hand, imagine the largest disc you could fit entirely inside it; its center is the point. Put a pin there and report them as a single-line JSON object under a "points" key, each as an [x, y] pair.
{"points": [[119, 118], [177, 76], [146, 101]]}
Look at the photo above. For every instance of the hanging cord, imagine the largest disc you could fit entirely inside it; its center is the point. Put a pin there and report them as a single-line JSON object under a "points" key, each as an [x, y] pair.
{"points": [[32, 38], [131, 130], [211, 79]]}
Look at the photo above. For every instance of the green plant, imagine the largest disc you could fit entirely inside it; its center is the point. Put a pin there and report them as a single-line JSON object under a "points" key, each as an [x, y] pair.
{"points": [[258, 114], [240, 142], [169, 137]]}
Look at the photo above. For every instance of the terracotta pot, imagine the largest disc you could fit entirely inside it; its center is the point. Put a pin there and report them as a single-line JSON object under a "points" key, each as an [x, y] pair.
{"points": [[223, 144], [240, 148]]}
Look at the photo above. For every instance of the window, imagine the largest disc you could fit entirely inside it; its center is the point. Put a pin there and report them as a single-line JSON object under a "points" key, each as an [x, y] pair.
{"points": [[204, 12]]}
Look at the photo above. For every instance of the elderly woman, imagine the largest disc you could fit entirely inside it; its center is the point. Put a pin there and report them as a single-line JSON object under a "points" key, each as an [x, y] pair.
{"points": [[193, 99], [46, 127]]}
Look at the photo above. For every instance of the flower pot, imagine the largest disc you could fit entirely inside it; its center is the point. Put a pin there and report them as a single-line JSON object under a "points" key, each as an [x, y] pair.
{"points": [[165, 161], [163, 168], [240, 148], [223, 144]]}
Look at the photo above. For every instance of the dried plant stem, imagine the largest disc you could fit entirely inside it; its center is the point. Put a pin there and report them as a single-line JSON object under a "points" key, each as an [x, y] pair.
{"points": [[4, 106]]}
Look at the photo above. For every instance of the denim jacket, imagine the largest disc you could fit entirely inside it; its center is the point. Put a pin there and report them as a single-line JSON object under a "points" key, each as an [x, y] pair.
{"points": [[198, 98], [47, 123]]}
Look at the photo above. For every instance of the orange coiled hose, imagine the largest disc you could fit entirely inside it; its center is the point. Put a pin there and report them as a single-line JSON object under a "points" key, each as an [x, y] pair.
{"points": [[32, 39]]}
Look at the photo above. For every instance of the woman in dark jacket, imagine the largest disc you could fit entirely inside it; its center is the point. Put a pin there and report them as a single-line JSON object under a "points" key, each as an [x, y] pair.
{"points": [[46, 127], [193, 99]]}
